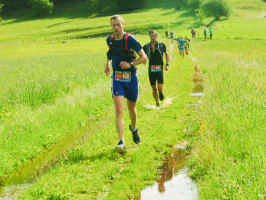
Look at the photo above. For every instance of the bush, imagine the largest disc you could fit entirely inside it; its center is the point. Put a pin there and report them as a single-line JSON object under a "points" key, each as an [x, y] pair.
{"points": [[13, 4], [1, 9], [130, 4], [216, 8], [41, 7], [194, 4]]}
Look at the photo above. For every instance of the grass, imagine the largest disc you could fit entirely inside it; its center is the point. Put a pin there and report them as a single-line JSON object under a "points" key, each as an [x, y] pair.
{"points": [[228, 157], [53, 84], [97, 171]]}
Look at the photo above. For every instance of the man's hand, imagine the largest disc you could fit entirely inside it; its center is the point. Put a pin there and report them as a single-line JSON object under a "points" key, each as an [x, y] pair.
{"points": [[125, 65], [166, 67], [107, 69]]}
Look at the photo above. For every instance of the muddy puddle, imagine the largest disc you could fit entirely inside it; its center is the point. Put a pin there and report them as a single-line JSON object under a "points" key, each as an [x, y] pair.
{"points": [[166, 103], [174, 182], [13, 191], [198, 80]]}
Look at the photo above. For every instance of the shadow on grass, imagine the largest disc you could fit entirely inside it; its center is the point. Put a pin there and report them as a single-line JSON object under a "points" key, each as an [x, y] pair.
{"points": [[110, 154]]}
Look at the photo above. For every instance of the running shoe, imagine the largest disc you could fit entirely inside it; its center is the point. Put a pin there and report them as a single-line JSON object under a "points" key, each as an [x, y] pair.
{"points": [[120, 148], [135, 135], [161, 96]]}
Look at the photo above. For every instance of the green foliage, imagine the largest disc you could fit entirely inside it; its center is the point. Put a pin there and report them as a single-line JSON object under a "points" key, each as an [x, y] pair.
{"points": [[130, 4], [98, 4], [194, 4], [14, 4], [1, 8], [216, 9], [41, 7]]}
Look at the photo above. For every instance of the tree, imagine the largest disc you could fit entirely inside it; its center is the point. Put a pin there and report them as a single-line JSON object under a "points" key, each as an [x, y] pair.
{"points": [[41, 7], [194, 4], [1, 9], [216, 9], [130, 4], [98, 4]]}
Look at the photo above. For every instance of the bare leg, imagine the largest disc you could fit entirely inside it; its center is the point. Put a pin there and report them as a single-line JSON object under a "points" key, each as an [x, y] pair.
{"points": [[132, 113], [155, 93], [118, 101]]}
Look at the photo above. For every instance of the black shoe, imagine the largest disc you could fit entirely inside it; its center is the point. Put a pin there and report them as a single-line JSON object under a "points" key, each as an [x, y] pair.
{"points": [[157, 104], [135, 134], [161, 96]]}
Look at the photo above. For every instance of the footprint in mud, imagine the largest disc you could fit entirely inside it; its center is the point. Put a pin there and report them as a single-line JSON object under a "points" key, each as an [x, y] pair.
{"points": [[13, 191], [198, 80], [166, 103]]}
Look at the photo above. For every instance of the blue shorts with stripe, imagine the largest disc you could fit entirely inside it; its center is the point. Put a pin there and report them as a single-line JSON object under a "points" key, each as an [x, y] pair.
{"points": [[127, 89]]}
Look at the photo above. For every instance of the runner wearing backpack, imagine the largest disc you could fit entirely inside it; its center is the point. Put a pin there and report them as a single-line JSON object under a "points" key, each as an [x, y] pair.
{"points": [[155, 51], [121, 54]]}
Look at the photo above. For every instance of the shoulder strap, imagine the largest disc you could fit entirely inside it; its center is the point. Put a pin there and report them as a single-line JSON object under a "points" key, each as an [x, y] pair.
{"points": [[124, 45], [111, 41]]}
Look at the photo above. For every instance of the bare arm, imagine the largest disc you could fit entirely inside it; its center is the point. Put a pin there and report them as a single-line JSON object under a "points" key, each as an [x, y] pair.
{"points": [[166, 60], [107, 67]]}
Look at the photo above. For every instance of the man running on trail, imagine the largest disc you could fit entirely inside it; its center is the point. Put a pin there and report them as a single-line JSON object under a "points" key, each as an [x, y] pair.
{"points": [[166, 33], [205, 33], [155, 51], [193, 33], [187, 44], [124, 81], [181, 46], [172, 36], [211, 32]]}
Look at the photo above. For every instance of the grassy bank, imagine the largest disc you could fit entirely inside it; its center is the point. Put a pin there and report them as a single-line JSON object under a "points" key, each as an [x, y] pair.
{"points": [[53, 84], [228, 158]]}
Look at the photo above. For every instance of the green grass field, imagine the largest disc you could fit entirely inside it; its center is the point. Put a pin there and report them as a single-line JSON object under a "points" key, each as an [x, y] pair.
{"points": [[53, 84]]}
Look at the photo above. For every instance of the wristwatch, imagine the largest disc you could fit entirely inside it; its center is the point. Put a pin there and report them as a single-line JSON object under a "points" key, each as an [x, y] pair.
{"points": [[167, 65]]}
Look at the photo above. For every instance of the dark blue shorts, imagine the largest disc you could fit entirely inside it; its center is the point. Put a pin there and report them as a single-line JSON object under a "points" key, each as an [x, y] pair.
{"points": [[127, 89]]}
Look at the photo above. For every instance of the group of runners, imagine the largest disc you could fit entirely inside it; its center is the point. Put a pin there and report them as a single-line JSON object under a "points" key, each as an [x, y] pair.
{"points": [[121, 55], [194, 33], [183, 45]]}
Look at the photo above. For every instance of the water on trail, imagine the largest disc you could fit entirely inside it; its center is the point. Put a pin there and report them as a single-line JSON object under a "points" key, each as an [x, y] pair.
{"points": [[197, 79], [13, 191], [166, 103], [174, 182]]}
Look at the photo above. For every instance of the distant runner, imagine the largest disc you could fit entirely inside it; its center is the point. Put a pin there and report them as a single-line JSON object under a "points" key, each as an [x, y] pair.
{"points": [[181, 46], [205, 33], [211, 32], [193, 33], [155, 50], [172, 36], [187, 45], [124, 81], [166, 33]]}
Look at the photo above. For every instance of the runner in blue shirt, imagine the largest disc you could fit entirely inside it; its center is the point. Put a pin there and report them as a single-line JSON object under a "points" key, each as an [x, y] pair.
{"points": [[122, 48], [211, 33], [181, 45]]}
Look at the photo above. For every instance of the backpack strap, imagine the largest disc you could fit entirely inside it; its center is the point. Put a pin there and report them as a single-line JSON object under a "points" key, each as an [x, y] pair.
{"points": [[124, 45]]}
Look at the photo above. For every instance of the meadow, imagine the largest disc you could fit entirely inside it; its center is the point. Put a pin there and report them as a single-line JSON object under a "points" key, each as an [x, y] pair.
{"points": [[52, 84]]}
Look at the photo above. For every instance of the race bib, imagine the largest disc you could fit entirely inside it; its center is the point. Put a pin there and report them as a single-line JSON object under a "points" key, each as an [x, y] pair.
{"points": [[123, 76], [156, 68]]}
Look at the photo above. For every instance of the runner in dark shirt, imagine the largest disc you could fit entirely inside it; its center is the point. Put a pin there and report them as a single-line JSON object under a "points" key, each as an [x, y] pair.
{"points": [[155, 51]]}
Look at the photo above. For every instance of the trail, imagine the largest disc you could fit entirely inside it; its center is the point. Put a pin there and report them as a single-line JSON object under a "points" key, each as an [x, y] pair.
{"points": [[174, 182]]}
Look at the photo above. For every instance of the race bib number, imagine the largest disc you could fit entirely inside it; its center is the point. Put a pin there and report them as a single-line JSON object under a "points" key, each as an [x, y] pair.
{"points": [[123, 76], [156, 68]]}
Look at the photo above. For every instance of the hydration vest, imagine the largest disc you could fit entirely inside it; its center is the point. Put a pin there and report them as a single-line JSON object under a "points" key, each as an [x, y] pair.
{"points": [[127, 53]]}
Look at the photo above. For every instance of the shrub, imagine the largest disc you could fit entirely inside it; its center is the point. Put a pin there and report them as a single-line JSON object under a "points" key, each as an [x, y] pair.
{"points": [[41, 7], [216, 9]]}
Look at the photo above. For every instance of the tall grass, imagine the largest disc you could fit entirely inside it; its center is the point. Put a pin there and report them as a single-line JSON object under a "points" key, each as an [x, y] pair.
{"points": [[228, 157]]}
